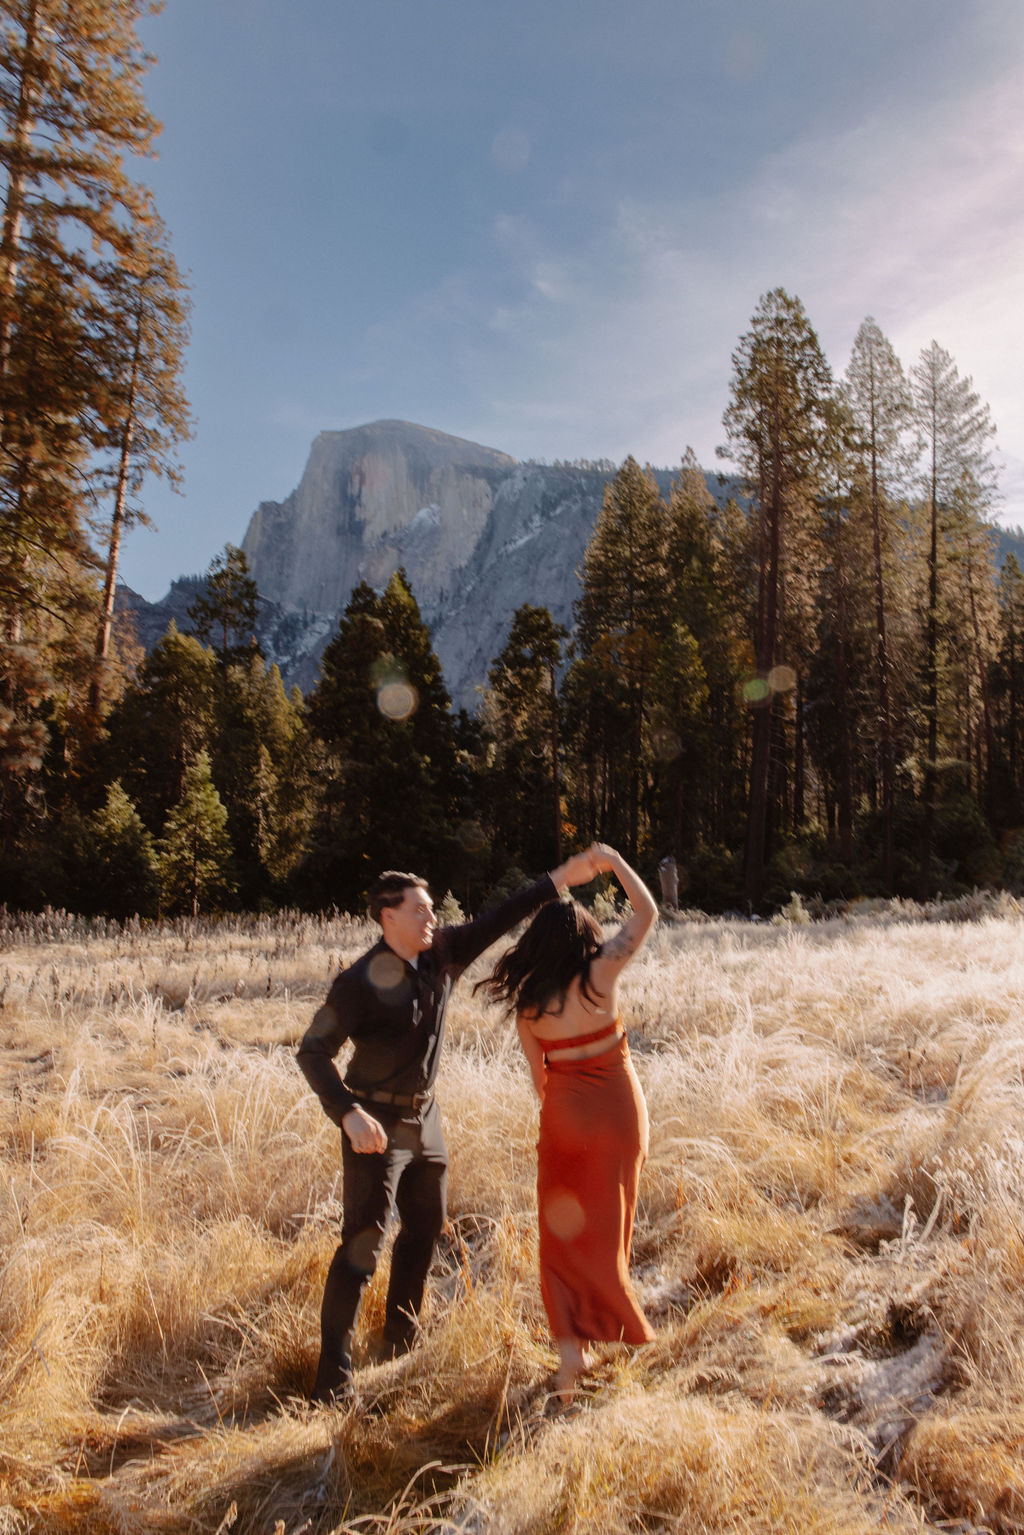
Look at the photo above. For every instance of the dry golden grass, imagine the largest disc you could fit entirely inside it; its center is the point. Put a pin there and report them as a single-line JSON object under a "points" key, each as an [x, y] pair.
{"points": [[830, 1243]]}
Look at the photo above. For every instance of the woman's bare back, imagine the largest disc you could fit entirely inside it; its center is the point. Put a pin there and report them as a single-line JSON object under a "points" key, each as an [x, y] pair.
{"points": [[593, 1009], [581, 1017]]}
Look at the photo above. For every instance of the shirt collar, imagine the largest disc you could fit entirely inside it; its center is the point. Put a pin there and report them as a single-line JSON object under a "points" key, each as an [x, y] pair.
{"points": [[413, 964]]}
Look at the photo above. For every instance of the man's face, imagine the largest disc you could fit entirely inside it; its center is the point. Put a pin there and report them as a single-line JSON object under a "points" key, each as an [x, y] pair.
{"points": [[409, 927]]}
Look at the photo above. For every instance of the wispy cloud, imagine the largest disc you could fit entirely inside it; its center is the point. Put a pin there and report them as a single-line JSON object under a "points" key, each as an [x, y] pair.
{"points": [[541, 228], [623, 343]]}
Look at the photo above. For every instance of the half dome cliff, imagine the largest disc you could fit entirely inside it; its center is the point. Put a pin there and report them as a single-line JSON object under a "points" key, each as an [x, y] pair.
{"points": [[477, 532]]}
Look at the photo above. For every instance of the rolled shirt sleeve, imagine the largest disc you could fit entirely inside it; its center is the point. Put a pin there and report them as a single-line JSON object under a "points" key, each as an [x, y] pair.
{"points": [[320, 1044]]}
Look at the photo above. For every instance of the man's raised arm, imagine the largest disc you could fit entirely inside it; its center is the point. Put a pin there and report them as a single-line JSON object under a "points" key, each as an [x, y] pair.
{"points": [[461, 945], [580, 869]]}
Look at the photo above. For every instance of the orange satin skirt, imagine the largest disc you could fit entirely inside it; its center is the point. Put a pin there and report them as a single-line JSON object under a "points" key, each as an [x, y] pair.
{"points": [[593, 1143]]}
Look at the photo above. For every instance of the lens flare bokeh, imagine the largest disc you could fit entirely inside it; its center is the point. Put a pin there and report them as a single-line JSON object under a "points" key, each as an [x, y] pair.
{"points": [[755, 690], [782, 679], [397, 700]]}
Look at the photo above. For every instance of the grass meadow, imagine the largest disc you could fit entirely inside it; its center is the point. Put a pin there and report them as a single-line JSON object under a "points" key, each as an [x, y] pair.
{"points": [[830, 1244]]}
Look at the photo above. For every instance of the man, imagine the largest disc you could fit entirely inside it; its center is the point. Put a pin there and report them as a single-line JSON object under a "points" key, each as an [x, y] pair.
{"points": [[391, 1004]]}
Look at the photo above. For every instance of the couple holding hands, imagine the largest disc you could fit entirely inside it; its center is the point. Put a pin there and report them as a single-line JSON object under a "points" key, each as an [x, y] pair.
{"points": [[560, 981]]}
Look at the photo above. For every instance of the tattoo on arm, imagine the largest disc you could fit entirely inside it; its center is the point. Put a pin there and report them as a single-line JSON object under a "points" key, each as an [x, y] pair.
{"points": [[621, 947]]}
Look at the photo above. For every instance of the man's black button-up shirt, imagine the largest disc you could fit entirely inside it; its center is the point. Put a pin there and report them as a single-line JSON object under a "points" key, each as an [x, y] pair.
{"points": [[394, 1012]]}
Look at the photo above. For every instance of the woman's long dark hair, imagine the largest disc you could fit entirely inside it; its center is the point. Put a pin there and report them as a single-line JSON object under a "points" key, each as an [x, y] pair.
{"points": [[534, 976]]}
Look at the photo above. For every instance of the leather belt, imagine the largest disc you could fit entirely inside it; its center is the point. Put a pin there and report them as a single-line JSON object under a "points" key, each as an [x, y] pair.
{"points": [[394, 1100]]}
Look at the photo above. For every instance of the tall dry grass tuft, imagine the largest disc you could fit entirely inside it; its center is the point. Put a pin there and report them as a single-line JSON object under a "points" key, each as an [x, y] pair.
{"points": [[830, 1242], [970, 1465], [655, 1459]]}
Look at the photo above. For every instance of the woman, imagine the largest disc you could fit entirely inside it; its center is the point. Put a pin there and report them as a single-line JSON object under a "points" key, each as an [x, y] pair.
{"points": [[561, 980]]}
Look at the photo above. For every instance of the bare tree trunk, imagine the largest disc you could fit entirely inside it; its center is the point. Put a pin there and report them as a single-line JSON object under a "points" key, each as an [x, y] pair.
{"points": [[556, 783], [760, 757], [10, 238], [931, 700], [985, 759], [844, 786], [116, 525], [1012, 730], [884, 703]]}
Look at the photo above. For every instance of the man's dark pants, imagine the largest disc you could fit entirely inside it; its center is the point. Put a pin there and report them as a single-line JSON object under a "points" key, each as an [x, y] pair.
{"points": [[412, 1174]]}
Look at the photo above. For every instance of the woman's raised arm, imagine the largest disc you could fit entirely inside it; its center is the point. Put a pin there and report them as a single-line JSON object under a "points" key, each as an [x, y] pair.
{"points": [[619, 950]]}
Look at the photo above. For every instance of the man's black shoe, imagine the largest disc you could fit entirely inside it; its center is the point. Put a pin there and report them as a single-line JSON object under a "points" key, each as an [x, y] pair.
{"points": [[382, 1349], [339, 1396], [333, 1385], [397, 1342]]}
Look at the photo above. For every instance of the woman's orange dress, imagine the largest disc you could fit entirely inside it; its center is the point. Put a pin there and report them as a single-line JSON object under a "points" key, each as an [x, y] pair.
{"points": [[593, 1143]]}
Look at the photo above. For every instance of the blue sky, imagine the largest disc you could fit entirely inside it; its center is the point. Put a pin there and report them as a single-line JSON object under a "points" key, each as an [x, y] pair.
{"points": [[544, 225]]}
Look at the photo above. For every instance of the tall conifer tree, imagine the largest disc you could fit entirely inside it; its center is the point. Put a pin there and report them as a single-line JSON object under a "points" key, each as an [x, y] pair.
{"points": [[696, 729], [77, 233], [834, 698], [261, 765], [142, 324], [1007, 684], [226, 609], [391, 788], [621, 614], [775, 425], [524, 716], [166, 716], [956, 430], [880, 403], [195, 850]]}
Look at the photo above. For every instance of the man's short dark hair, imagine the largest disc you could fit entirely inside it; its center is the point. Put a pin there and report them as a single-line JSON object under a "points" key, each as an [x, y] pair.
{"points": [[389, 890]]}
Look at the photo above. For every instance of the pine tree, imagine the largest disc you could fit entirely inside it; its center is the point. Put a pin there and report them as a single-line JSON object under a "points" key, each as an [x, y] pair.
{"points": [[166, 716], [226, 609], [76, 231], [834, 701], [879, 399], [678, 740], [694, 728], [775, 425], [144, 322], [47, 581], [261, 765], [956, 430], [621, 616], [195, 850], [524, 724], [392, 791], [72, 106], [1007, 687], [972, 628], [122, 871]]}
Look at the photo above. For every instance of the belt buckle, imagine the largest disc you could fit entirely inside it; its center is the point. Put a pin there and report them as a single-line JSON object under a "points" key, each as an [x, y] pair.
{"points": [[394, 1100]]}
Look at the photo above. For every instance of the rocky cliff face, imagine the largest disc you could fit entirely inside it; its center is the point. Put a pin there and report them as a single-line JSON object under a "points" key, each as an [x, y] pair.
{"points": [[369, 500], [477, 533], [529, 551]]}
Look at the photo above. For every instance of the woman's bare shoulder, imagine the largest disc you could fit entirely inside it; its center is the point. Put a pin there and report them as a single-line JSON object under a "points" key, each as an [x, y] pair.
{"points": [[618, 949]]}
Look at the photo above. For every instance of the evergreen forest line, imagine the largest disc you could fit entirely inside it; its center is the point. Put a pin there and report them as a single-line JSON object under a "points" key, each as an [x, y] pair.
{"points": [[816, 689], [889, 693]]}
